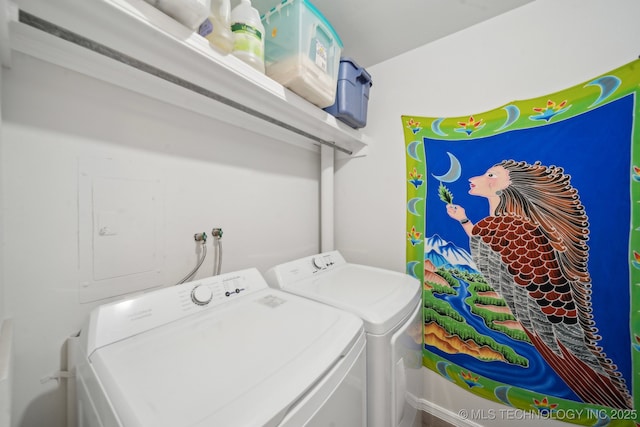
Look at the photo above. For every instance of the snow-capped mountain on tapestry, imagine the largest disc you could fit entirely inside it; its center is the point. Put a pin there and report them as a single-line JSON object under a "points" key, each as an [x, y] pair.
{"points": [[447, 255]]}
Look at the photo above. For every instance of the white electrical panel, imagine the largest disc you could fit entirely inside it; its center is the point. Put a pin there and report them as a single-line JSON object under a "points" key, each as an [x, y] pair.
{"points": [[120, 217]]}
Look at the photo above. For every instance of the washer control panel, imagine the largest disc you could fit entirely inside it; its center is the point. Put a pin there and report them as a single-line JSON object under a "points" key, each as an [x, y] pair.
{"points": [[215, 290], [288, 273], [201, 294], [323, 261], [118, 320]]}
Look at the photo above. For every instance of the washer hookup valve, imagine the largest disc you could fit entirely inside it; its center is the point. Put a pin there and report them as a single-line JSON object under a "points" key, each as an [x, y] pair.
{"points": [[200, 237]]}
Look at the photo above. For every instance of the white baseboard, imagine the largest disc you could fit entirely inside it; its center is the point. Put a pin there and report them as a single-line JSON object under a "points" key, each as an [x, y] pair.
{"points": [[443, 413]]}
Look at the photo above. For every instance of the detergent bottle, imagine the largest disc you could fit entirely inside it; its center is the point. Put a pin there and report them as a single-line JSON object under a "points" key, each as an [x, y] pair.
{"points": [[217, 28], [248, 35]]}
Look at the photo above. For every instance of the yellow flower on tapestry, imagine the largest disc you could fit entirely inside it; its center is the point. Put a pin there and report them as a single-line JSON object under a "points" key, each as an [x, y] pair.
{"points": [[414, 126], [549, 111], [470, 126], [544, 406], [470, 379], [416, 178], [414, 236]]}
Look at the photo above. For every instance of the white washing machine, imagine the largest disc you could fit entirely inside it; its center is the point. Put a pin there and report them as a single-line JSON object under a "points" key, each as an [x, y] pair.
{"points": [[223, 351], [390, 304]]}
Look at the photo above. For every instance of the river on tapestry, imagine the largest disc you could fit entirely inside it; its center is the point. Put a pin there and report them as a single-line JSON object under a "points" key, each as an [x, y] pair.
{"points": [[522, 225]]}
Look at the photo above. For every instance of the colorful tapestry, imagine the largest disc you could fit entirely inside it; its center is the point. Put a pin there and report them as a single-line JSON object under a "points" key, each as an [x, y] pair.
{"points": [[523, 226]]}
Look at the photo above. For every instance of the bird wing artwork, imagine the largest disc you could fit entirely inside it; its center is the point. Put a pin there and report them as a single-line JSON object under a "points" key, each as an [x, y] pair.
{"points": [[554, 308]]}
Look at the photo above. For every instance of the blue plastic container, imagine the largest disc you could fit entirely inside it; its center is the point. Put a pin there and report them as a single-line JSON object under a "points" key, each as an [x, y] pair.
{"points": [[352, 95]]}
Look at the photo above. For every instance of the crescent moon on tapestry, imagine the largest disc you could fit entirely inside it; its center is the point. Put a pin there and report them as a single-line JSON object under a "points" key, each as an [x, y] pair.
{"points": [[607, 85], [435, 127], [455, 170], [411, 206], [412, 150], [411, 268]]}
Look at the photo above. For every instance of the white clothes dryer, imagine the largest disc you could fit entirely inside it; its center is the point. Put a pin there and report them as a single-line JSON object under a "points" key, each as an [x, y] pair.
{"points": [[390, 304], [222, 351]]}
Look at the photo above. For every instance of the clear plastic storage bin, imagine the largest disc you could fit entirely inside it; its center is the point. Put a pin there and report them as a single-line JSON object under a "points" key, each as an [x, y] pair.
{"points": [[302, 51]]}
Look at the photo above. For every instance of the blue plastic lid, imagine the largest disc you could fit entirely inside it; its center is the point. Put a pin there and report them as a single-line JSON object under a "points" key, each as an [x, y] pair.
{"points": [[313, 10]]}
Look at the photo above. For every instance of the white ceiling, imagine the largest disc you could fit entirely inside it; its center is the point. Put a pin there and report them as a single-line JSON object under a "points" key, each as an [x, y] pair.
{"points": [[372, 32]]}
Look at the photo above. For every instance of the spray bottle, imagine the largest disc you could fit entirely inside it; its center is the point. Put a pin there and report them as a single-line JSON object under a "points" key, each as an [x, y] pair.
{"points": [[248, 35]]}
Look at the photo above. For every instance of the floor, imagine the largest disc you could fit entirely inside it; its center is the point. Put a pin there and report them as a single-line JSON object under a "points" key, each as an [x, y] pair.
{"points": [[429, 420]]}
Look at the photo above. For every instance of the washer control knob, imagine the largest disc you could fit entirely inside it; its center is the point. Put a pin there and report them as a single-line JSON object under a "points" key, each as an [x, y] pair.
{"points": [[201, 295], [318, 262]]}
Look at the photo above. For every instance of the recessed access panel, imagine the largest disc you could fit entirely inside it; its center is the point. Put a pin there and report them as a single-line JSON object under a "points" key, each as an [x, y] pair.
{"points": [[120, 218]]}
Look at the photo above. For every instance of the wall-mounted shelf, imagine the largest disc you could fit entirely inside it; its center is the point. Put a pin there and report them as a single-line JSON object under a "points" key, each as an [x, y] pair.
{"points": [[133, 45]]}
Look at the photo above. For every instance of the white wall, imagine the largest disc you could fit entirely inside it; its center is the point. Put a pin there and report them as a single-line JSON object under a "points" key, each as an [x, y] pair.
{"points": [[540, 48], [4, 57], [2, 303], [5, 384], [264, 194]]}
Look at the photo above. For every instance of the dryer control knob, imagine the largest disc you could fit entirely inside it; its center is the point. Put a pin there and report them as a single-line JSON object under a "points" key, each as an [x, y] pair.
{"points": [[318, 262], [201, 295]]}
